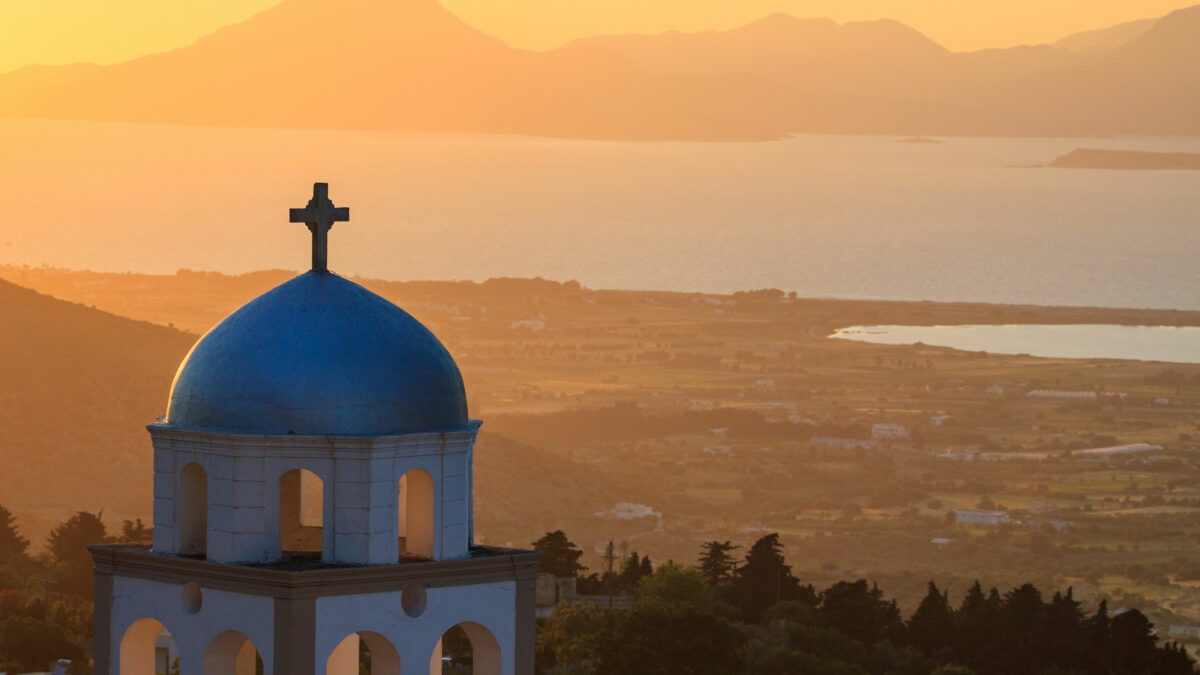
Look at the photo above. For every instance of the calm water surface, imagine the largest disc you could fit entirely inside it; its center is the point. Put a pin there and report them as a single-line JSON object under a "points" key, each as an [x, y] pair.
{"points": [[1144, 343], [829, 216]]}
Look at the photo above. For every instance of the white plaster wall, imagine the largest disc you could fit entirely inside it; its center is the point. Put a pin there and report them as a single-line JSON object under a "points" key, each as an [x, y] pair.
{"points": [[360, 477], [135, 599], [165, 477], [351, 509], [454, 504], [490, 605]]}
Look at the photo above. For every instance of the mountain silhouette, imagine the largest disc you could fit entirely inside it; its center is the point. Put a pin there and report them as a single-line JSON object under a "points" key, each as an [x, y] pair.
{"points": [[812, 54], [411, 65], [402, 64], [1140, 85]]}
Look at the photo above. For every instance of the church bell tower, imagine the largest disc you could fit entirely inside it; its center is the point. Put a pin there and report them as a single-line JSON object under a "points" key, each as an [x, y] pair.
{"points": [[313, 501]]}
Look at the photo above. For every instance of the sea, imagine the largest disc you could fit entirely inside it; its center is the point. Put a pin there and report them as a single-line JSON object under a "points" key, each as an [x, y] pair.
{"points": [[964, 219]]}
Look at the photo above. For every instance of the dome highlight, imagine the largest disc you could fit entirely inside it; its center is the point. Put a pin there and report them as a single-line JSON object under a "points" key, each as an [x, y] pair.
{"points": [[318, 355]]}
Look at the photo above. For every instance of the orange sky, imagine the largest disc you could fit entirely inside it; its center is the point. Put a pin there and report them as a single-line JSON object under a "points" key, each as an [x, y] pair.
{"points": [[106, 31]]}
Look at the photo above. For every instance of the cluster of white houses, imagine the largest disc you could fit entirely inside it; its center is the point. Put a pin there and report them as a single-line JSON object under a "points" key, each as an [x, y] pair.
{"points": [[313, 500]]}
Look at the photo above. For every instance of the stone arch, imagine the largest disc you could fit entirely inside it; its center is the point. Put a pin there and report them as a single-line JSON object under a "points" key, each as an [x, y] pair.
{"points": [[193, 510], [301, 512], [231, 653], [140, 652], [484, 657], [363, 652], [416, 514]]}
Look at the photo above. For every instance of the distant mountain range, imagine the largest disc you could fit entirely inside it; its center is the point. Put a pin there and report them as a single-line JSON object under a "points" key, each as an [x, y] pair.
{"points": [[1105, 38], [411, 65]]}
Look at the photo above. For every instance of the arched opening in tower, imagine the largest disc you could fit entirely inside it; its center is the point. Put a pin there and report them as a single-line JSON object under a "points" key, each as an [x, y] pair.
{"points": [[364, 653], [416, 514], [466, 649], [193, 510], [232, 653], [146, 648], [301, 512]]}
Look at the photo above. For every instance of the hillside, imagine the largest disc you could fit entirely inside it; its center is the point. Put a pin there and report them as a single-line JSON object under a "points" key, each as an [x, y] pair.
{"points": [[81, 384], [663, 420], [78, 387]]}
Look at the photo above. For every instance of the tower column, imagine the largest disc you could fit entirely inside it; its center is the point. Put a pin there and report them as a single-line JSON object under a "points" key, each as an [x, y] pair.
{"points": [[525, 618], [102, 637], [295, 634]]}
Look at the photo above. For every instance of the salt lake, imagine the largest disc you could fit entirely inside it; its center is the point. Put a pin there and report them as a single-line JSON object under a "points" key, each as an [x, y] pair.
{"points": [[1179, 344]]}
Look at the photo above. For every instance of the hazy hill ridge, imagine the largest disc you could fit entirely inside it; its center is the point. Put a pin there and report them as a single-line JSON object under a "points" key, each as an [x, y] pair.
{"points": [[1105, 38], [411, 65]]}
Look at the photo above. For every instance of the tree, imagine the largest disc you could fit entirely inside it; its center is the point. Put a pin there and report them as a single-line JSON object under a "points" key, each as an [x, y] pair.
{"points": [[931, 627], [1095, 637], [673, 582], [12, 544], [1064, 630], [32, 644], [860, 611], [1173, 658], [765, 579], [634, 570], [69, 541], [1131, 643], [134, 531], [568, 637], [560, 555], [975, 626], [1022, 630], [68, 544], [785, 646], [670, 639], [716, 563]]}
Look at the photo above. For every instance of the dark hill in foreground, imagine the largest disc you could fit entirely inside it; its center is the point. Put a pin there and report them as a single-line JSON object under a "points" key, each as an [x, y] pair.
{"points": [[77, 386]]}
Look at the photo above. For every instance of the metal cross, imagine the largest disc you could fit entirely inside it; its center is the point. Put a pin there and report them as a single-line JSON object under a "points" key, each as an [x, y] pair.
{"points": [[320, 215]]}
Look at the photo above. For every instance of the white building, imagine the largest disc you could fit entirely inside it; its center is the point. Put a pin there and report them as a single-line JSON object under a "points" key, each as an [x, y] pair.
{"points": [[1067, 394], [532, 325], [313, 490], [980, 516], [888, 432]]}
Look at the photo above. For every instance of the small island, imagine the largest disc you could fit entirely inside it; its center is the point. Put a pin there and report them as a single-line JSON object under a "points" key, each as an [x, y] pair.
{"points": [[1087, 158]]}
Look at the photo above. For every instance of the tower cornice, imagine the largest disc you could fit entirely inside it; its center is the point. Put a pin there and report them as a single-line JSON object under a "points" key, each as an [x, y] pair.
{"points": [[288, 581]]}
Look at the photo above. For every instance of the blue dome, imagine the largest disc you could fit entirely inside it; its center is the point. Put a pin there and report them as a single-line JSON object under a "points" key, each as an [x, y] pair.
{"points": [[318, 355]]}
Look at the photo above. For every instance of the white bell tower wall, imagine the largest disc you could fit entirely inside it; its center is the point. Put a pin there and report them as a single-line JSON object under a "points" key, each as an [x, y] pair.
{"points": [[359, 500]]}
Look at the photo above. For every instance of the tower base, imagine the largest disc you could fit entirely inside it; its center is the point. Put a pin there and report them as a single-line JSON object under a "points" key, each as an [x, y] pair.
{"points": [[304, 617]]}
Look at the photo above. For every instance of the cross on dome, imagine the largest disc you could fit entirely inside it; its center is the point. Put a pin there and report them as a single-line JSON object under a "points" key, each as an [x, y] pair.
{"points": [[320, 214]]}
